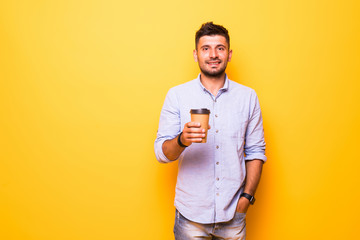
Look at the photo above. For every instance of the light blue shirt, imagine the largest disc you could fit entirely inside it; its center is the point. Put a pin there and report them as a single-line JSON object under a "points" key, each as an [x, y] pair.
{"points": [[211, 175]]}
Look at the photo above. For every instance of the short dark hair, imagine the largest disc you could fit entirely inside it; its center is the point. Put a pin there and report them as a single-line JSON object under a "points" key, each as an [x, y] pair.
{"points": [[210, 29]]}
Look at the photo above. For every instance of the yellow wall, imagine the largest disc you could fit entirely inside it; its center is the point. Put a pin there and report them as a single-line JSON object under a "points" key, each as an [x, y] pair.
{"points": [[81, 88]]}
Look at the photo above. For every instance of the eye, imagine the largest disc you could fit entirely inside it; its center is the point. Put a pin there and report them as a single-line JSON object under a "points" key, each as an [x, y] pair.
{"points": [[205, 48], [221, 48]]}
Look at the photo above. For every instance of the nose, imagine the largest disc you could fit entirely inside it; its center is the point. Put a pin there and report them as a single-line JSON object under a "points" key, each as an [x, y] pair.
{"points": [[213, 53]]}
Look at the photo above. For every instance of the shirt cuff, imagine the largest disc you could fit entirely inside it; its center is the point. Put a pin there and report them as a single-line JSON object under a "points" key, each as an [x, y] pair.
{"points": [[160, 156], [253, 156]]}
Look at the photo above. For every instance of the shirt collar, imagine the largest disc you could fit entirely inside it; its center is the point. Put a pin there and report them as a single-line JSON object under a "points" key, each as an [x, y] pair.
{"points": [[224, 88]]}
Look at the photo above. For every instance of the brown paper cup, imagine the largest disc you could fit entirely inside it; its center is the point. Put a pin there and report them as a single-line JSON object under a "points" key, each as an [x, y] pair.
{"points": [[201, 116]]}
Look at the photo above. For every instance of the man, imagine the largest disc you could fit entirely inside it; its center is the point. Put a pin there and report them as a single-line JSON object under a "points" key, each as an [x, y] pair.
{"points": [[216, 180]]}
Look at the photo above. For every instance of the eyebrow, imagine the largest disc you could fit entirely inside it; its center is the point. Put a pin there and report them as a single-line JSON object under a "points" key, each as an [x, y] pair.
{"points": [[220, 45]]}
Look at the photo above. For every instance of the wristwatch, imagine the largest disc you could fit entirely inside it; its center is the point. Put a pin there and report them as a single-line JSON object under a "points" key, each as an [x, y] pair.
{"points": [[249, 197], [179, 141]]}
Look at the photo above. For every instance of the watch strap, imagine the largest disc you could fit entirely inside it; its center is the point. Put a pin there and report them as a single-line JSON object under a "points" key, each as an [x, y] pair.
{"points": [[179, 141], [249, 197]]}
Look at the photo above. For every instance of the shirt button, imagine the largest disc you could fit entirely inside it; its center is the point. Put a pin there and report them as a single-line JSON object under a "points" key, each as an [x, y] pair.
{"points": [[217, 194], [216, 115], [217, 131], [217, 163], [217, 147], [217, 179]]}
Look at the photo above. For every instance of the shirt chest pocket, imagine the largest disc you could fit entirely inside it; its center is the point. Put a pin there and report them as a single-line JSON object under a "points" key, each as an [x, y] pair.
{"points": [[235, 124]]}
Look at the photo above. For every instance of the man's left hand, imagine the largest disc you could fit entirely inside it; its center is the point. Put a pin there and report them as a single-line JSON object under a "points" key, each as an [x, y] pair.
{"points": [[243, 205]]}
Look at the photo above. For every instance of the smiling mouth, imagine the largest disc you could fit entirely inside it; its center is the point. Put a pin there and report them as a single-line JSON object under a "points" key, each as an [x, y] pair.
{"points": [[214, 63]]}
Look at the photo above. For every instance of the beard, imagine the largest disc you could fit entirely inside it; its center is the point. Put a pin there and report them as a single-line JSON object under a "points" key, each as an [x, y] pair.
{"points": [[213, 74]]}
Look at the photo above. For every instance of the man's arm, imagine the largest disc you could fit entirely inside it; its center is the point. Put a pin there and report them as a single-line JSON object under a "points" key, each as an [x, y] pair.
{"points": [[191, 133], [253, 173], [254, 152]]}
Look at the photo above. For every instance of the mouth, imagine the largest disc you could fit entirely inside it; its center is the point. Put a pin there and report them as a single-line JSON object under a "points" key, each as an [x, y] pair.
{"points": [[213, 63]]}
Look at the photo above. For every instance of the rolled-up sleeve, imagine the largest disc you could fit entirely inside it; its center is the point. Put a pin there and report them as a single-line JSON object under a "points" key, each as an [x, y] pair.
{"points": [[254, 137], [169, 125]]}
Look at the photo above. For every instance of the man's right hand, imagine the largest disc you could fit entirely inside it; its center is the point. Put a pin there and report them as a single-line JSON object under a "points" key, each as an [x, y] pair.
{"points": [[192, 132]]}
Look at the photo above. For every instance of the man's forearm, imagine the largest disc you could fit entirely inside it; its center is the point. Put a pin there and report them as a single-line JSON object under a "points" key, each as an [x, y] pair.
{"points": [[172, 149], [253, 174]]}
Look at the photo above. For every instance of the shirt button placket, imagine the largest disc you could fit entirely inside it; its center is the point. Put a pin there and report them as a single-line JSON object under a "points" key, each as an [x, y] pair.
{"points": [[217, 147]]}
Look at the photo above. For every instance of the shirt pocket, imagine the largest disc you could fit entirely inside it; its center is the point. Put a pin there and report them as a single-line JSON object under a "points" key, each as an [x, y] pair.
{"points": [[237, 124], [234, 129]]}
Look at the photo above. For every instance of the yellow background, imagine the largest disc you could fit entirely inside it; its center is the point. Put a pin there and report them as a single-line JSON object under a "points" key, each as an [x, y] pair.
{"points": [[81, 88]]}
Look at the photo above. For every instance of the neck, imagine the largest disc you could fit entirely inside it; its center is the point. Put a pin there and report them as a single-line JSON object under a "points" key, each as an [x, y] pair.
{"points": [[213, 84]]}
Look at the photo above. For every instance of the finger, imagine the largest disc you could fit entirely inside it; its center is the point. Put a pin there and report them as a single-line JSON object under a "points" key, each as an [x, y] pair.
{"points": [[193, 135], [193, 124], [193, 130], [195, 140]]}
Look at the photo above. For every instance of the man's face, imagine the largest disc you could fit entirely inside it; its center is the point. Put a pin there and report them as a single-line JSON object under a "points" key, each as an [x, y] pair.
{"points": [[212, 54]]}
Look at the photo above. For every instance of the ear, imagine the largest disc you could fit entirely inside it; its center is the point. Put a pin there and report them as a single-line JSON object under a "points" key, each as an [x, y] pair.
{"points": [[230, 55], [195, 55]]}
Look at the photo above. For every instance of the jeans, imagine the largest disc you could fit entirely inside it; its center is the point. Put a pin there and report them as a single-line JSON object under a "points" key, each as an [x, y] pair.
{"points": [[234, 229]]}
